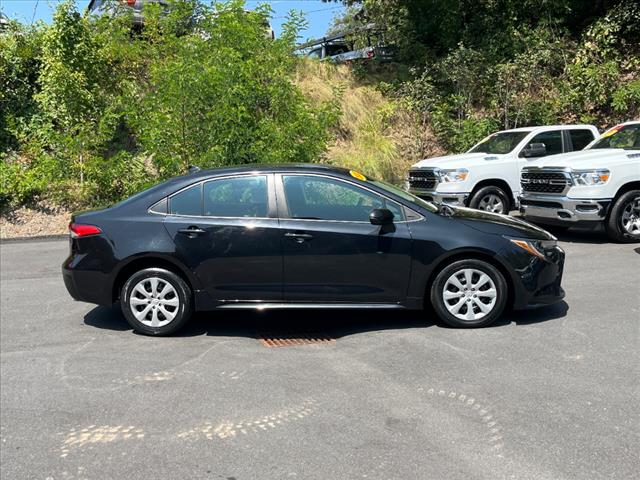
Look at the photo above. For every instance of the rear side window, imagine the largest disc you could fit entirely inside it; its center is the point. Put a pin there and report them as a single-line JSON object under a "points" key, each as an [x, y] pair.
{"points": [[236, 197], [580, 138], [187, 202], [552, 141]]}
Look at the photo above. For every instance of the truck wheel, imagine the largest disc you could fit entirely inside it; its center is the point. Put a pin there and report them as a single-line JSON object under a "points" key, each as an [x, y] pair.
{"points": [[623, 224], [469, 293], [491, 199]]}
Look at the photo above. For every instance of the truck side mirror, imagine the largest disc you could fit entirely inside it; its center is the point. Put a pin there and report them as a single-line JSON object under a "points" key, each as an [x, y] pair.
{"points": [[534, 150]]}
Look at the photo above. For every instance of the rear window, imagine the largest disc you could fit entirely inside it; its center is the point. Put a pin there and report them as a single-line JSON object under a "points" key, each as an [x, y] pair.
{"points": [[580, 138]]}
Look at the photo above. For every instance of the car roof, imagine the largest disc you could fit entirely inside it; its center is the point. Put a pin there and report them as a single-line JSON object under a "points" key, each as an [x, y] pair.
{"points": [[269, 168], [547, 127]]}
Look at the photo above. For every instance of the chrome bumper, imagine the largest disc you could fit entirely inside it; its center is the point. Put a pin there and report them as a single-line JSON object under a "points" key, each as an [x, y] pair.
{"points": [[448, 198], [563, 209]]}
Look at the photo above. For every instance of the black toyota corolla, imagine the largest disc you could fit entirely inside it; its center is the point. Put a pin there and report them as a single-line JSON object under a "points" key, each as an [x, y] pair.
{"points": [[303, 236]]}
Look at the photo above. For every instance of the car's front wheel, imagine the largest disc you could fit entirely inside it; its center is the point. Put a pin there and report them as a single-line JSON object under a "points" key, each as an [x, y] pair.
{"points": [[156, 301], [469, 293]]}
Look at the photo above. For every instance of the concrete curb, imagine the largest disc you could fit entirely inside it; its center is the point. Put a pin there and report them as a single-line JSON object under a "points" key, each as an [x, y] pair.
{"points": [[41, 238]]}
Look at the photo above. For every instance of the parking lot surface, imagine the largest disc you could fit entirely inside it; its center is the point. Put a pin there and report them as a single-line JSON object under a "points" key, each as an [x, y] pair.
{"points": [[546, 394]]}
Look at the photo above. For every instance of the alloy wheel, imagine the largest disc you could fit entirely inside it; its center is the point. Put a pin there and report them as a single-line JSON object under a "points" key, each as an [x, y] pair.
{"points": [[631, 217], [491, 203], [469, 294], [154, 302]]}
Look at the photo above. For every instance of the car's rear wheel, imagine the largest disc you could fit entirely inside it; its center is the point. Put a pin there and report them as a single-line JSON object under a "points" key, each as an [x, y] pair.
{"points": [[623, 224], [469, 293], [156, 301], [491, 199]]}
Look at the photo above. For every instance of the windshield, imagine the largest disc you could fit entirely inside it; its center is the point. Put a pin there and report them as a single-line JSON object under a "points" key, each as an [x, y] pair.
{"points": [[404, 195], [500, 143], [622, 136]]}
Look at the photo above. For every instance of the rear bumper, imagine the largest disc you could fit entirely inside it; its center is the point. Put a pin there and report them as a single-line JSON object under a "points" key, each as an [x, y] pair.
{"points": [[91, 286], [456, 199], [559, 210]]}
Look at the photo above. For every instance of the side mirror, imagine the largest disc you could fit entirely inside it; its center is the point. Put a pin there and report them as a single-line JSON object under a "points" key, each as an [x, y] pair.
{"points": [[534, 150], [381, 216]]}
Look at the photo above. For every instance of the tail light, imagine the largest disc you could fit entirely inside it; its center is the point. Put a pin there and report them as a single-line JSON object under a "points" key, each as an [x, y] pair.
{"points": [[371, 53], [78, 230]]}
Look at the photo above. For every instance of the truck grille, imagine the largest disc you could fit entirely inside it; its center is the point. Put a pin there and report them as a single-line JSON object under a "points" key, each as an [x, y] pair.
{"points": [[423, 179], [544, 182]]}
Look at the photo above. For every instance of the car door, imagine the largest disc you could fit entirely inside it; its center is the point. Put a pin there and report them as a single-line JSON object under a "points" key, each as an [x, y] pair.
{"points": [[226, 231], [331, 251]]}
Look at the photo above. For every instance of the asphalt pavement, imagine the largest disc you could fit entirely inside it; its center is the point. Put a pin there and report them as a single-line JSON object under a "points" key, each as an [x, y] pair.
{"points": [[545, 394]]}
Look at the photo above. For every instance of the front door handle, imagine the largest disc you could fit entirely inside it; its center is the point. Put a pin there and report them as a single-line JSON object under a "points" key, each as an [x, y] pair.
{"points": [[299, 237], [192, 231]]}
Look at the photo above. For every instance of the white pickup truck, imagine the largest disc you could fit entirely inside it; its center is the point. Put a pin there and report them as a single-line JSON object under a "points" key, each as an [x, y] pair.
{"points": [[599, 185], [487, 177]]}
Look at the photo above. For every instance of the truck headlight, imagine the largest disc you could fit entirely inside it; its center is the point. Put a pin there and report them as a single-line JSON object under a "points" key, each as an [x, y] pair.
{"points": [[590, 177], [453, 175]]}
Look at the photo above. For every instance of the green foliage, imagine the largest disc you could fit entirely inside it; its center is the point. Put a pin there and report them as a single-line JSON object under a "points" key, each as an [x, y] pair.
{"points": [[95, 109]]}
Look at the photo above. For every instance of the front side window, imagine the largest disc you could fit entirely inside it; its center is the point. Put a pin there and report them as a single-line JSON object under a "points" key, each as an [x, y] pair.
{"points": [[500, 143], [622, 136], [580, 138], [187, 202], [551, 140], [321, 198], [236, 197]]}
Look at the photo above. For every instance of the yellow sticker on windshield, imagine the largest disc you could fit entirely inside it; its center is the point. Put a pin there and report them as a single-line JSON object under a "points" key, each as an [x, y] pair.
{"points": [[357, 175], [608, 133]]}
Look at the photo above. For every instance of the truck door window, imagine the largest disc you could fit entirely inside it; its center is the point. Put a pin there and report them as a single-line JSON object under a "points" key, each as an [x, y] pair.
{"points": [[581, 138], [552, 141]]}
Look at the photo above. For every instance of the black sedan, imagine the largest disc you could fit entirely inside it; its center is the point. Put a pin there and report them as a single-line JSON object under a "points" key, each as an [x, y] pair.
{"points": [[303, 236]]}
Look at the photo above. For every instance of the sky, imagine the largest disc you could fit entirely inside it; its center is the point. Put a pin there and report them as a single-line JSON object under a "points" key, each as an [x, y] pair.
{"points": [[318, 14]]}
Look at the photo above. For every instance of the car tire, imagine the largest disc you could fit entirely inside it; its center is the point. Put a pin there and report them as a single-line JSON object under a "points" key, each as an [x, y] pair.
{"points": [[156, 301], [480, 305], [623, 222], [491, 199]]}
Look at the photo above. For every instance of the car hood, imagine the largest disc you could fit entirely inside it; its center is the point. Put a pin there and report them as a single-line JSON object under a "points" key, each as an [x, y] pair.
{"points": [[583, 159], [460, 160], [498, 224]]}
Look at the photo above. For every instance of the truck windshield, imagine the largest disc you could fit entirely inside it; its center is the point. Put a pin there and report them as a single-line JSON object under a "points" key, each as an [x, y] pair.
{"points": [[622, 136], [500, 143]]}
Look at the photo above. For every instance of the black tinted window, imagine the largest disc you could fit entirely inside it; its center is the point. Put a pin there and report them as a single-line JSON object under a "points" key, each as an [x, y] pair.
{"points": [[552, 141], [580, 138], [236, 197], [187, 202], [321, 198]]}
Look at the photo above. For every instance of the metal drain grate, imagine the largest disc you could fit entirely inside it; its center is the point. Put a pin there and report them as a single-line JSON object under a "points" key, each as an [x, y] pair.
{"points": [[293, 339]]}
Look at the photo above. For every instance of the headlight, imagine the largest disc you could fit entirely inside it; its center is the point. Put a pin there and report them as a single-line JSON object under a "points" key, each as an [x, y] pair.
{"points": [[537, 248], [453, 175], [590, 177]]}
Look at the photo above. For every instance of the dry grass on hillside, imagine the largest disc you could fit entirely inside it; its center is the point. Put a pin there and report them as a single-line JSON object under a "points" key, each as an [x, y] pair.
{"points": [[376, 134]]}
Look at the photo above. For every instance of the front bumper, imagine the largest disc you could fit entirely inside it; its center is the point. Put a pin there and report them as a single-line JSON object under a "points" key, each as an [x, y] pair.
{"points": [[455, 199], [536, 281], [559, 210]]}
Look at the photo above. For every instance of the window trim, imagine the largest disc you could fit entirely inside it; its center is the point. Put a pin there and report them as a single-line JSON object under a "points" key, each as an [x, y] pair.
{"points": [[271, 203], [283, 205]]}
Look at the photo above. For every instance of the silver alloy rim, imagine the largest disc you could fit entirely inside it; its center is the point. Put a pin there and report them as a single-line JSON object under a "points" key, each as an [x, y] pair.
{"points": [[491, 203], [631, 217], [469, 294], [154, 302]]}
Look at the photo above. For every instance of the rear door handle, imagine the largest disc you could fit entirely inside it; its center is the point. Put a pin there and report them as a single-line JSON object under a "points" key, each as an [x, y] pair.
{"points": [[299, 237], [192, 231]]}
